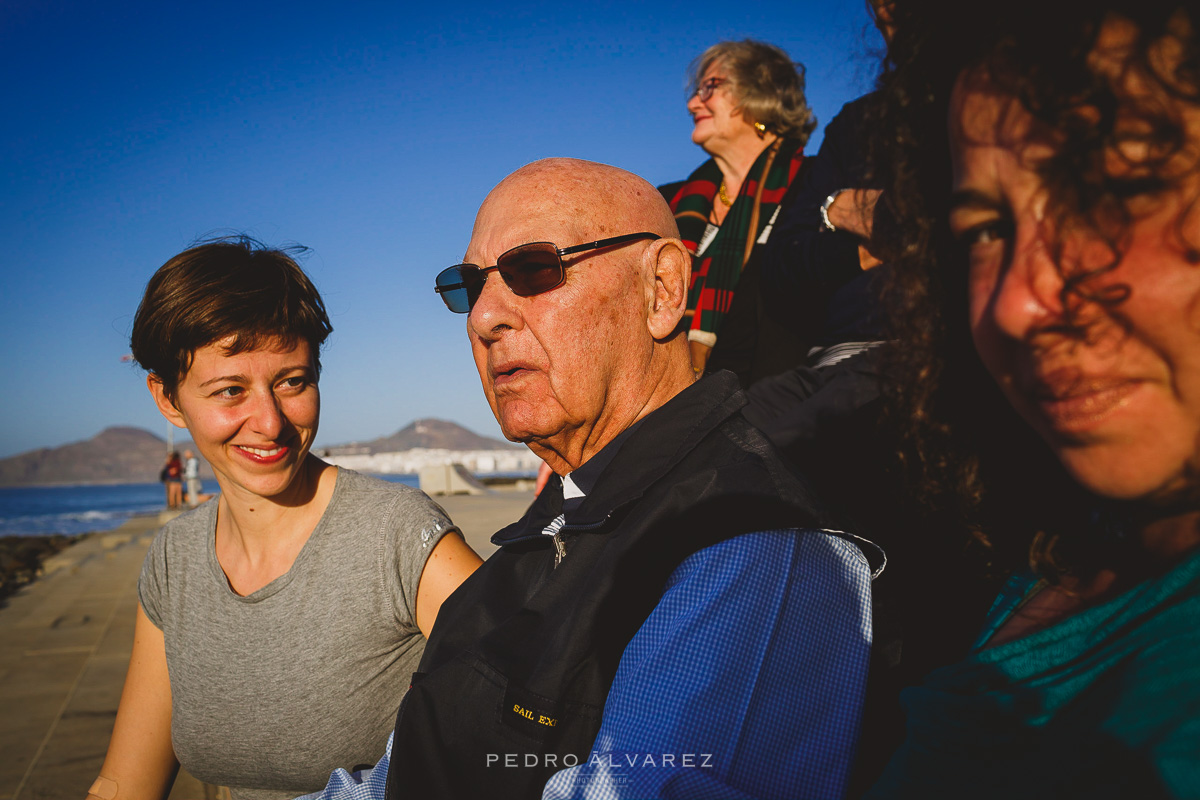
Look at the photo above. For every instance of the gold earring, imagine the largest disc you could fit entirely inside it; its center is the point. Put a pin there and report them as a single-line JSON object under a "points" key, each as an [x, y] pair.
{"points": [[762, 129]]}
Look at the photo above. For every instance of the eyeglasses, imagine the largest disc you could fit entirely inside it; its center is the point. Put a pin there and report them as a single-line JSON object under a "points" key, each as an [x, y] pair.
{"points": [[706, 89], [528, 269]]}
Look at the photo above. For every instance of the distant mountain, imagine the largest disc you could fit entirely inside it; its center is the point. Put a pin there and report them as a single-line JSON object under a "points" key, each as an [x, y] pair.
{"points": [[115, 455], [135, 455], [433, 434]]}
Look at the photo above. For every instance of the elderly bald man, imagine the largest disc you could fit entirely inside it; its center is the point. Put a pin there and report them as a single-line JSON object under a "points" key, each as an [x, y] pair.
{"points": [[667, 618]]}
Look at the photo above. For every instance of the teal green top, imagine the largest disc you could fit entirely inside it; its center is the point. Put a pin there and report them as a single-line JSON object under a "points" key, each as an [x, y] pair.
{"points": [[1104, 704]]}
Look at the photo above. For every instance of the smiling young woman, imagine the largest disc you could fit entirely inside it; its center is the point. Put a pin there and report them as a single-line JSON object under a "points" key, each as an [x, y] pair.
{"points": [[253, 415], [273, 617]]}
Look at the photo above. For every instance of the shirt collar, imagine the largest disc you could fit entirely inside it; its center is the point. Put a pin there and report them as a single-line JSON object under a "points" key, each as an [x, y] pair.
{"points": [[579, 484]]}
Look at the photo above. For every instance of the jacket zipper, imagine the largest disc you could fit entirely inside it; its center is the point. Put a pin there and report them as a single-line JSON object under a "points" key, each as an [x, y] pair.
{"points": [[555, 528], [560, 550], [552, 530]]}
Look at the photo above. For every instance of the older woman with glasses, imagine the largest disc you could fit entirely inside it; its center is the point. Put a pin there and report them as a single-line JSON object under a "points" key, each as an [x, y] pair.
{"points": [[750, 115]]}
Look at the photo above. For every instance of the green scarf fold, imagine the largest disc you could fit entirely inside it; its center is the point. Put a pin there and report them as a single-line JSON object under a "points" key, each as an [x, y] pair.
{"points": [[716, 273]]}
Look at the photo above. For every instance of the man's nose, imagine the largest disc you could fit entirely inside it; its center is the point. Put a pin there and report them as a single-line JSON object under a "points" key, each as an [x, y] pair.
{"points": [[495, 309]]}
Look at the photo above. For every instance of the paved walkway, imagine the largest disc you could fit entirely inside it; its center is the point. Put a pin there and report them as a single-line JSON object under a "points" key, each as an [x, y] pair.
{"points": [[64, 648]]}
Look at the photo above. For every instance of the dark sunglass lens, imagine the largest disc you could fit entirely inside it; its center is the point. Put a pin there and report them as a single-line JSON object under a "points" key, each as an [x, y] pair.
{"points": [[531, 269], [459, 287]]}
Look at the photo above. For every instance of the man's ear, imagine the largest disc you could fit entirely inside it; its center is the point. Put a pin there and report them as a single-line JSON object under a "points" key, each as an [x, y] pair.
{"points": [[165, 406], [672, 265]]}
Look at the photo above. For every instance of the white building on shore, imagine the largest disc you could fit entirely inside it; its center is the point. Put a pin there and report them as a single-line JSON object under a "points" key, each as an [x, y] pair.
{"points": [[480, 462]]}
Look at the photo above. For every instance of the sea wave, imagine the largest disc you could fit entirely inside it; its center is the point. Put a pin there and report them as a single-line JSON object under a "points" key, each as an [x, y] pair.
{"points": [[77, 516], [39, 511], [62, 523]]}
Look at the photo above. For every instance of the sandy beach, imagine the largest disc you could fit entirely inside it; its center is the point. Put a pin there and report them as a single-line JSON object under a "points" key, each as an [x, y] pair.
{"points": [[66, 641]]}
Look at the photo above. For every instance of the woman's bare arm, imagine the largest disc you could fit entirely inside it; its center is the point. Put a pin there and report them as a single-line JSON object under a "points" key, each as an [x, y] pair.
{"points": [[141, 764], [450, 563]]}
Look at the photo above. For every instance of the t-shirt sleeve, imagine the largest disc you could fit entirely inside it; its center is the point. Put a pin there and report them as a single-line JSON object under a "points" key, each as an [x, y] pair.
{"points": [[152, 583], [414, 528]]}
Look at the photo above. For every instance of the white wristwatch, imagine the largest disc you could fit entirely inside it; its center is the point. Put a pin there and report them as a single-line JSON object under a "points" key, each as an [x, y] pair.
{"points": [[825, 210]]}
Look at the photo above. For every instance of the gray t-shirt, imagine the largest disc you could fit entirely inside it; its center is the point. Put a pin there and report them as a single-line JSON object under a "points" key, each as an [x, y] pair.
{"points": [[273, 691]]}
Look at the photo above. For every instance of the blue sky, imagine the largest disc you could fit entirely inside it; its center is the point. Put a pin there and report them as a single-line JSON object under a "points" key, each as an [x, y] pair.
{"points": [[366, 131]]}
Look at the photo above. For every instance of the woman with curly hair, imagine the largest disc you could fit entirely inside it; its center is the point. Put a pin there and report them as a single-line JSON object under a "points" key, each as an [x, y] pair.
{"points": [[1044, 166]]}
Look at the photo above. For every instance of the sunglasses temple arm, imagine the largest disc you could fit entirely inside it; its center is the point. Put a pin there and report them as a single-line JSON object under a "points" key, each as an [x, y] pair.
{"points": [[629, 237]]}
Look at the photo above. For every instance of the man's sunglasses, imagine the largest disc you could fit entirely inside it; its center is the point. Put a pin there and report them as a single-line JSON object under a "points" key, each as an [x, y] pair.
{"points": [[528, 269]]}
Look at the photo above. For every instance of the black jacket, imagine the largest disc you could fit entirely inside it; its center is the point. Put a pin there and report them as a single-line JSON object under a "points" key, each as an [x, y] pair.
{"points": [[812, 280], [524, 652]]}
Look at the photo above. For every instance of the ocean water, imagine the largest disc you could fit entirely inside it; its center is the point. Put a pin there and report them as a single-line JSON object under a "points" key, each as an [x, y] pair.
{"points": [[44, 510]]}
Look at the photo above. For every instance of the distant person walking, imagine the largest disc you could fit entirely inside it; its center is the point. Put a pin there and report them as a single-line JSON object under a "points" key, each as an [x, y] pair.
{"points": [[172, 478], [191, 474]]}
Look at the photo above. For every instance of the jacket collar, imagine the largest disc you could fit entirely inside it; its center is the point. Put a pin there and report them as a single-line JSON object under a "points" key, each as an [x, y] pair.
{"points": [[661, 439]]}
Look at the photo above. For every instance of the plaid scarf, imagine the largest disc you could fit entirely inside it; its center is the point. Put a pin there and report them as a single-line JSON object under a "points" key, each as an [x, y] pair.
{"points": [[715, 275]]}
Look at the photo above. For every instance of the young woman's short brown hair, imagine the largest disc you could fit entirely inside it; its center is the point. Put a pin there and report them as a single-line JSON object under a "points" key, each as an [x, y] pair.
{"points": [[228, 289]]}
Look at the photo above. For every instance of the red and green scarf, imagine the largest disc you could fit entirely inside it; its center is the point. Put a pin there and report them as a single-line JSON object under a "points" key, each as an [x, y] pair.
{"points": [[715, 275]]}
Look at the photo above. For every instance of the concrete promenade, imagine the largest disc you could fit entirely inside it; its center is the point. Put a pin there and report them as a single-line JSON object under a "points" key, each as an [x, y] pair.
{"points": [[65, 642]]}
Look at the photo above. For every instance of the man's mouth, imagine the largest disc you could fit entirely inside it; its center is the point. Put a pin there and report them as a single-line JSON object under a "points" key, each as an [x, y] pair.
{"points": [[509, 372]]}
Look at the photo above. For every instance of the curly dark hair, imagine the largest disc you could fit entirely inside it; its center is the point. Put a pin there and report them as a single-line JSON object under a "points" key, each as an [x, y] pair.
{"points": [[230, 287], [965, 445]]}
